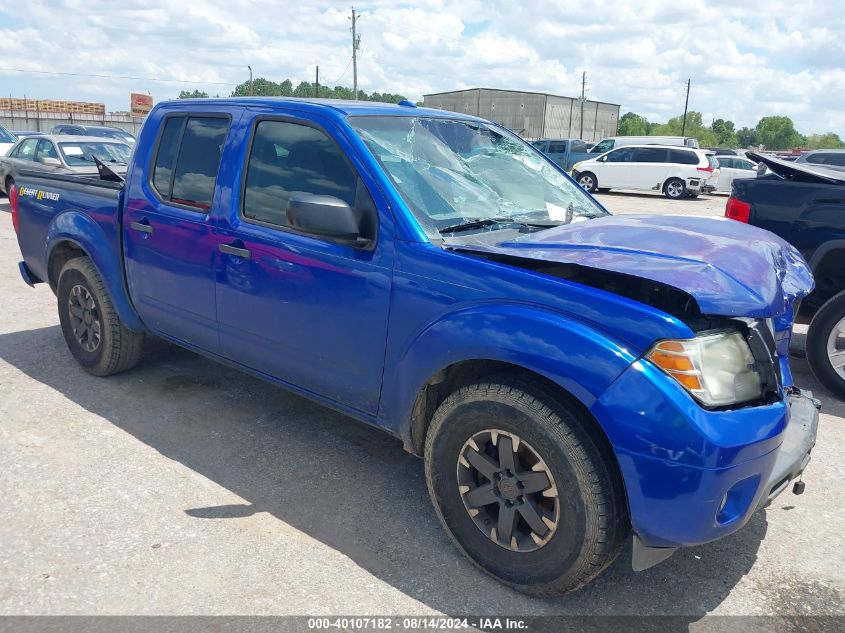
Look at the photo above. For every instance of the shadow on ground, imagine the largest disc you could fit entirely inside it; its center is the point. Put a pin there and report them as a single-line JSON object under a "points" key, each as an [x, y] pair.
{"points": [[346, 484]]}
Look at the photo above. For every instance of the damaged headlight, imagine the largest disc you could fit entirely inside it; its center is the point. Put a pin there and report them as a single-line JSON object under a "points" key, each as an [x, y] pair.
{"points": [[718, 369]]}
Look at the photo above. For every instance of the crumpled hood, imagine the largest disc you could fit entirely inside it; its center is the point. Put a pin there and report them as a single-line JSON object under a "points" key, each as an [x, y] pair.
{"points": [[730, 268]]}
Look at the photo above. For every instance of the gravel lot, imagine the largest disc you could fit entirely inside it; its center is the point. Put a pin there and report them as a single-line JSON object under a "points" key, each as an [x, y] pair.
{"points": [[183, 487]]}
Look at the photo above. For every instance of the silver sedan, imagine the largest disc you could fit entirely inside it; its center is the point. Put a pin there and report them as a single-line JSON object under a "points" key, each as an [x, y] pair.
{"points": [[61, 154]]}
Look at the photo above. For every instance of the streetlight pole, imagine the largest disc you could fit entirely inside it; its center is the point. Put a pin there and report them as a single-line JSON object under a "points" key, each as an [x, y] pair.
{"points": [[250, 79], [686, 105]]}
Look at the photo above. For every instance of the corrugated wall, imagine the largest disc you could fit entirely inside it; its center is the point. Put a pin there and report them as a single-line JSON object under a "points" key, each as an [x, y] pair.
{"points": [[530, 114]]}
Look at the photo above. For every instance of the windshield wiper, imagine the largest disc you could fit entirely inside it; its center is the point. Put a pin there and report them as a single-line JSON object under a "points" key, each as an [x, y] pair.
{"points": [[483, 222]]}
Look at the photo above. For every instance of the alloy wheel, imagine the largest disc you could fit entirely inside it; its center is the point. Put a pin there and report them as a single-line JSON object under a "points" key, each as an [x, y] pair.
{"points": [[836, 348], [508, 490], [84, 318]]}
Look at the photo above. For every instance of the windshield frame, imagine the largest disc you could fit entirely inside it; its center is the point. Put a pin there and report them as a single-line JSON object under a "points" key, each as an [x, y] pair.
{"points": [[425, 222], [7, 136]]}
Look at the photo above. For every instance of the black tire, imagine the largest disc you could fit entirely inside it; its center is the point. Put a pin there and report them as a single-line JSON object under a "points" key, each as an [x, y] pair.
{"points": [[692, 196], [99, 340], [588, 181], [674, 188], [820, 338], [590, 507]]}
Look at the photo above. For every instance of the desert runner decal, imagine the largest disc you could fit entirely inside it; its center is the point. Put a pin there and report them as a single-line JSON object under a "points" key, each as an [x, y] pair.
{"points": [[38, 194]]}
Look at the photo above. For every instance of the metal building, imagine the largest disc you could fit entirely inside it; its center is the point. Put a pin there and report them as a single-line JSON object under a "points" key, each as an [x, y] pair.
{"points": [[532, 115]]}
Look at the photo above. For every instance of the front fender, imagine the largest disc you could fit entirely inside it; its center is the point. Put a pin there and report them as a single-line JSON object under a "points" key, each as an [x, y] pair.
{"points": [[82, 231], [582, 360]]}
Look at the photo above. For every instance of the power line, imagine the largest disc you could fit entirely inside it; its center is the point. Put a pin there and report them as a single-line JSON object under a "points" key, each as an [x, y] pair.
{"points": [[178, 81], [343, 74]]}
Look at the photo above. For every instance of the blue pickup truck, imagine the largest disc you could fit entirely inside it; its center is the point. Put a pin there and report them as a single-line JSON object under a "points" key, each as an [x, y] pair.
{"points": [[572, 379]]}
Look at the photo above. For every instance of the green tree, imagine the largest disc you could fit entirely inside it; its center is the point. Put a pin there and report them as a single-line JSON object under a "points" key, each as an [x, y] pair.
{"points": [[260, 88], [196, 94], [725, 133], [632, 124], [746, 137], [694, 128], [824, 141], [778, 132], [265, 88]]}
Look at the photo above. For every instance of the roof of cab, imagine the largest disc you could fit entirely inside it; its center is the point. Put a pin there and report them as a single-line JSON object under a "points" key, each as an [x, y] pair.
{"points": [[349, 108]]}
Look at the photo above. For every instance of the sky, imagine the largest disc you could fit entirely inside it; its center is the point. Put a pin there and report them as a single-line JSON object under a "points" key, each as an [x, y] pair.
{"points": [[745, 59]]}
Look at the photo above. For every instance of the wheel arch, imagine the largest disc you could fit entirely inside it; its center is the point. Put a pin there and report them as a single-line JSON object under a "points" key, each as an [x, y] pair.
{"points": [[828, 267], [74, 234]]}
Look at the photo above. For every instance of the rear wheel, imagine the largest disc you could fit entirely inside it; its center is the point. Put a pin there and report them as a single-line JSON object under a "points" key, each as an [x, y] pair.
{"points": [[826, 345], [522, 487], [674, 188], [588, 181], [93, 331]]}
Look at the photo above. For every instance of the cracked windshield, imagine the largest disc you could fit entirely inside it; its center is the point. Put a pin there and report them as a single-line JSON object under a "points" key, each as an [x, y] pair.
{"points": [[465, 176]]}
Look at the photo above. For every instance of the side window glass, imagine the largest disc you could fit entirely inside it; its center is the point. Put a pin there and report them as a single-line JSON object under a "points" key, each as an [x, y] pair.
{"points": [[683, 157], [622, 155], [27, 149], [650, 155], [165, 159], [603, 147], [288, 158], [579, 146], [45, 150], [198, 162], [185, 172], [557, 148], [725, 162]]}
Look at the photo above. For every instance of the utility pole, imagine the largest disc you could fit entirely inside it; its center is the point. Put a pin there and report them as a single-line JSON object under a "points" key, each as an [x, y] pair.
{"points": [[317, 84], [356, 43], [686, 105], [583, 98], [250, 80]]}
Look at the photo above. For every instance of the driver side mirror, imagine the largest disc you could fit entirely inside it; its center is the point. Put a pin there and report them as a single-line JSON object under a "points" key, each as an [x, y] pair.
{"points": [[50, 161], [328, 217], [603, 159]]}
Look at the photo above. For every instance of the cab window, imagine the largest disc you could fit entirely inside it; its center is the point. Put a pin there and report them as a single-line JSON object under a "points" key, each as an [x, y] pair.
{"points": [[288, 158], [26, 151], [621, 155], [604, 146]]}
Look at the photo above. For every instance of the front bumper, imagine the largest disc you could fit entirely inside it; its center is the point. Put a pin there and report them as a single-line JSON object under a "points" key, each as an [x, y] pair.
{"points": [[693, 475]]}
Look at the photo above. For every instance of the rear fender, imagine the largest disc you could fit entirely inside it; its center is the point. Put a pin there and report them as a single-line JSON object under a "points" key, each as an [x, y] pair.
{"points": [[582, 360], [84, 233]]}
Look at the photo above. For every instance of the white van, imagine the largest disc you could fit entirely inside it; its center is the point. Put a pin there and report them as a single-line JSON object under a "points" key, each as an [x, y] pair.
{"points": [[612, 142], [677, 172]]}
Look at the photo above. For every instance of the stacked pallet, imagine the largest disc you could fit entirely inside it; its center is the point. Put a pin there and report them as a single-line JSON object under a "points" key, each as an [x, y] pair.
{"points": [[51, 105]]}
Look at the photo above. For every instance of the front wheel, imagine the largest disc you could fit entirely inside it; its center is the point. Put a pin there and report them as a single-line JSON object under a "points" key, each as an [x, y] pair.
{"points": [[826, 345], [94, 333], [588, 181], [523, 488], [674, 188]]}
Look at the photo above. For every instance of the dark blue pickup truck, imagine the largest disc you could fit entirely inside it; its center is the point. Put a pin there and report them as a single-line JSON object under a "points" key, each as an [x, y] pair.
{"points": [[570, 378], [804, 203]]}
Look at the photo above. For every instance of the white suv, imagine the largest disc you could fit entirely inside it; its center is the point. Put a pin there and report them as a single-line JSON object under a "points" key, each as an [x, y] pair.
{"points": [[678, 172]]}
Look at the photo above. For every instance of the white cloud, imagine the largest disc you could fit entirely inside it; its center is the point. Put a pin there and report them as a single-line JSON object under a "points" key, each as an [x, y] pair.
{"points": [[746, 60]]}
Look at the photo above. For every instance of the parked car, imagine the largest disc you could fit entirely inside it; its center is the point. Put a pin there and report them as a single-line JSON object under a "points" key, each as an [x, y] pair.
{"points": [[569, 377], [7, 139], [607, 144], [62, 155], [732, 167], [830, 158], [804, 204], [94, 130], [678, 172], [565, 152], [723, 151]]}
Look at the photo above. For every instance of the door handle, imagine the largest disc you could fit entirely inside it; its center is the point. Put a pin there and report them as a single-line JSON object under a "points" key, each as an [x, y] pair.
{"points": [[140, 226], [234, 250]]}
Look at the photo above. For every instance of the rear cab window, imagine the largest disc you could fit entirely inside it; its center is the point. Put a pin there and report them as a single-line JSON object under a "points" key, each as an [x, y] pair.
{"points": [[187, 160]]}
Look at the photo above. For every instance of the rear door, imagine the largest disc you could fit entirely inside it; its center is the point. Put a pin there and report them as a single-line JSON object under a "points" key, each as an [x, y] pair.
{"points": [[170, 248], [615, 171], [557, 152], [304, 309], [650, 167]]}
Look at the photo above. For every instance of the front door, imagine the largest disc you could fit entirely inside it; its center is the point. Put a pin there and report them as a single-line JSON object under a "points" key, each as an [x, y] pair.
{"points": [[306, 310], [168, 234], [616, 170]]}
